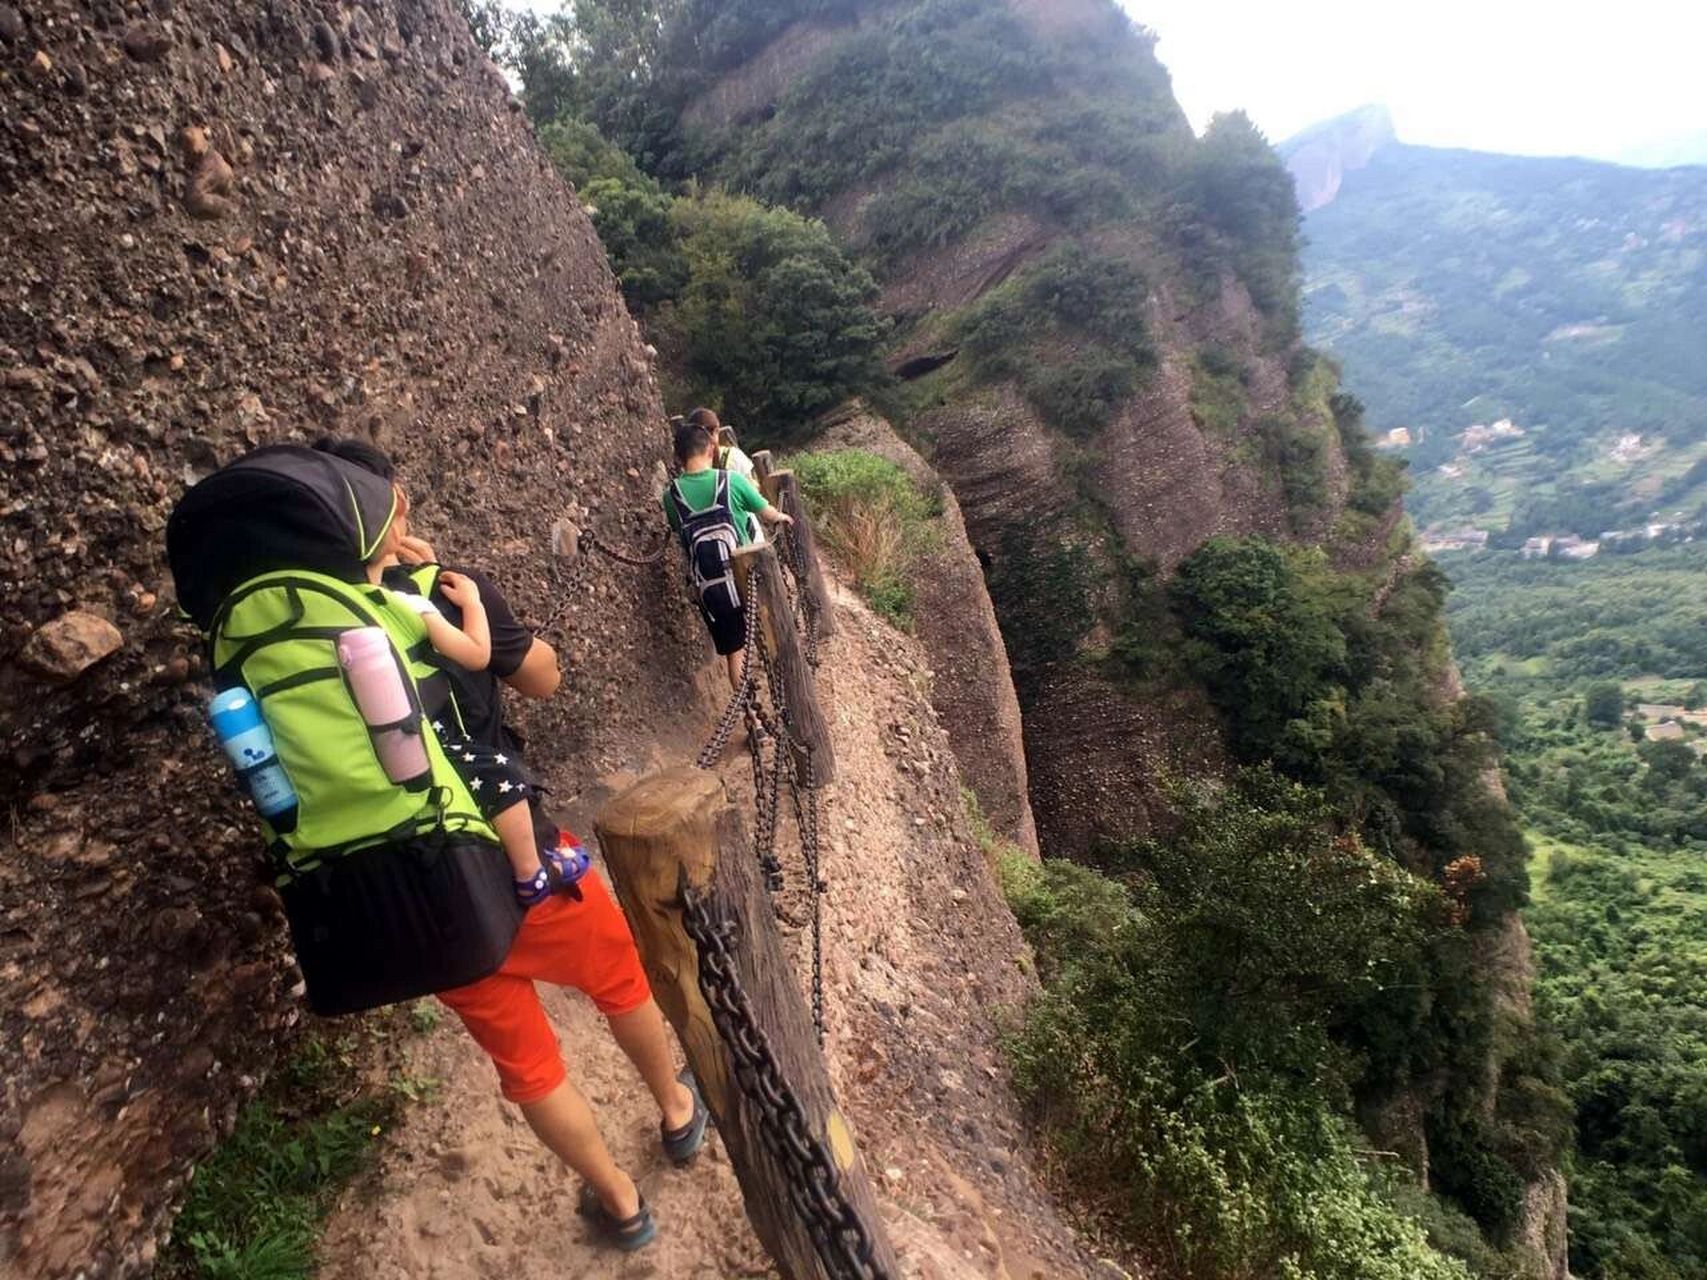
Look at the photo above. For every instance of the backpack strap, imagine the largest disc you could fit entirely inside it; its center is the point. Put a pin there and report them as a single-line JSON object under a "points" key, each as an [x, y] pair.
{"points": [[425, 577], [721, 497], [683, 511]]}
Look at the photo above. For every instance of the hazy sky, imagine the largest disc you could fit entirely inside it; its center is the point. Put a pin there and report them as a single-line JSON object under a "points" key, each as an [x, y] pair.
{"points": [[1544, 77], [1530, 76]]}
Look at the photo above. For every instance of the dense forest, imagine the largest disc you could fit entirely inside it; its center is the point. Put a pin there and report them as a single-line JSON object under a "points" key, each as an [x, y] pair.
{"points": [[1583, 663], [1462, 288], [1224, 1004]]}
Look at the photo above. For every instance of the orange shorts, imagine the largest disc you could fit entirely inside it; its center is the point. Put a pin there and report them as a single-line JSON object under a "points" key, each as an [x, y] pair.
{"points": [[585, 945]]}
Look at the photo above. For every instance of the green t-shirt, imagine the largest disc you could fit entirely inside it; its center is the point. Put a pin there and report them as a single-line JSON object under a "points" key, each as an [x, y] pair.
{"points": [[699, 489]]}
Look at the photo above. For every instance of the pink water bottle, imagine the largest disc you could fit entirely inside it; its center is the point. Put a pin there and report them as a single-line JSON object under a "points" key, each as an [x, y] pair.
{"points": [[383, 699]]}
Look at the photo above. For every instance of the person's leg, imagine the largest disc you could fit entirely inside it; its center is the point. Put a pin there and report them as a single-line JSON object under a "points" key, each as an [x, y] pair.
{"points": [[514, 826], [564, 1123], [597, 956], [737, 664], [501, 789], [503, 1014], [639, 1033]]}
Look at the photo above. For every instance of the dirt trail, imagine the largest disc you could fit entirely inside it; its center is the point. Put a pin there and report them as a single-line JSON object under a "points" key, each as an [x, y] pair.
{"points": [[921, 960]]}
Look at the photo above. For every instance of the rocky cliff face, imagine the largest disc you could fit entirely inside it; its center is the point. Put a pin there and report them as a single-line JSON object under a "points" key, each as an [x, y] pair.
{"points": [[971, 688], [1148, 488], [230, 224]]}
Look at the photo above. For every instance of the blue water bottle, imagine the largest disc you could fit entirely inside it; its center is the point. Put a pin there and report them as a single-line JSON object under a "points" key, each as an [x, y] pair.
{"points": [[249, 743]]}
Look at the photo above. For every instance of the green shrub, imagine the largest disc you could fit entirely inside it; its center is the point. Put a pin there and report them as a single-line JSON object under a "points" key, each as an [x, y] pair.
{"points": [[1070, 331], [1298, 458], [873, 519], [1045, 584], [775, 323], [1218, 391], [254, 1210], [630, 211], [1181, 1055], [1377, 481], [855, 112], [1239, 187], [255, 1207]]}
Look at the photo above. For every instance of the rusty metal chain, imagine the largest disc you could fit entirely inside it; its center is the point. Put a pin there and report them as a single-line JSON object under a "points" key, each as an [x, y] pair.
{"points": [[616, 553], [785, 761], [560, 584], [805, 603], [802, 792], [740, 700], [806, 818], [842, 1240], [560, 576], [767, 793]]}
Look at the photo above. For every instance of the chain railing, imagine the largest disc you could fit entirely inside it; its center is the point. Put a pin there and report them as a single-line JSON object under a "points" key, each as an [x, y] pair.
{"points": [[784, 764], [782, 649], [843, 1243]]}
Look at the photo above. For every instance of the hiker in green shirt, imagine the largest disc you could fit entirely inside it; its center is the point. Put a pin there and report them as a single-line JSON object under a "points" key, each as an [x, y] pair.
{"points": [[709, 509]]}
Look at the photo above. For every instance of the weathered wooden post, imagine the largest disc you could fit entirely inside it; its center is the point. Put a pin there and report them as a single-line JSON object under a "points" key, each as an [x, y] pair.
{"points": [[803, 717], [784, 490], [676, 831], [762, 464]]}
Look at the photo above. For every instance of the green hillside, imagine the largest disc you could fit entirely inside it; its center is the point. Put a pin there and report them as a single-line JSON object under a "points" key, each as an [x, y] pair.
{"points": [[1581, 659], [1568, 296]]}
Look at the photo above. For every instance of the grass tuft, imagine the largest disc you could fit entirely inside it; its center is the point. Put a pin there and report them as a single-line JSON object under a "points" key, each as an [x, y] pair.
{"points": [[873, 520]]}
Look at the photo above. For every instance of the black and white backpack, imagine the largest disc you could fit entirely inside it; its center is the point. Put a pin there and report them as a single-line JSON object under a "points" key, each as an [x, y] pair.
{"points": [[709, 538]]}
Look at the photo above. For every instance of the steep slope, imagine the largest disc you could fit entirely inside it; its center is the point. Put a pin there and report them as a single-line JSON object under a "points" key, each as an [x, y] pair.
{"points": [[1461, 289], [971, 687], [916, 936], [1028, 192]]}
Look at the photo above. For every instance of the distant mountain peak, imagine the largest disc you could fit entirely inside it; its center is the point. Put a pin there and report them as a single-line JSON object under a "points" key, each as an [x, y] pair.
{"points": [[1320, 156]]}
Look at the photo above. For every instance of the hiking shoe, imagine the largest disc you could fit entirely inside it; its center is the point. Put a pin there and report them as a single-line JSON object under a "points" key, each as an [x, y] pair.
{"points": [[626, 1234], [683, 1144], [535, 889]]}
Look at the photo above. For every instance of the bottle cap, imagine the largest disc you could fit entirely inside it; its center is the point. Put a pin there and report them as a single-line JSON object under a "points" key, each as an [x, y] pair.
{"points": [[233, 712]]}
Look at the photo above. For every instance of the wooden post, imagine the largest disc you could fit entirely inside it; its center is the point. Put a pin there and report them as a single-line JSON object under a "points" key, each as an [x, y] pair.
{"points": [[762, 464], [678, 828], [805, 721], [788, 500]]}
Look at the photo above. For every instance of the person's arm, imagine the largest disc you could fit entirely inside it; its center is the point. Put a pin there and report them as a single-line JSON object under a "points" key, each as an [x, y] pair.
{"points": [[523, 662], [538, 675], [749, 499], [471, 646]]}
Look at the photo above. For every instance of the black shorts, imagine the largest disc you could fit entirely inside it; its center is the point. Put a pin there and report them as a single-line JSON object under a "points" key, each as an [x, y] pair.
{"points": [[728, 627], [495, 778]]}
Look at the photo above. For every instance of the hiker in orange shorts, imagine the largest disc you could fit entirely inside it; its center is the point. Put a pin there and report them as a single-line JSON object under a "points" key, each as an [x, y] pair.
{"points": [[573, 941]]}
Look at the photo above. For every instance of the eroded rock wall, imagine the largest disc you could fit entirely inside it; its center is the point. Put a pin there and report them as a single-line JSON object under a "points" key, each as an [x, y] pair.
{"points": [[229, 224], [971, 685]]}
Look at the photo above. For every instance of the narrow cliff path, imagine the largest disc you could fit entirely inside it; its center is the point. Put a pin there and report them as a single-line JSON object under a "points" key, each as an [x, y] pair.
{"points": [[922, 965]]}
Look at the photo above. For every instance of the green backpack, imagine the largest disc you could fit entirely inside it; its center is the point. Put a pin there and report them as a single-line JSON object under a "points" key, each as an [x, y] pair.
{"points": [[392, 890]]}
